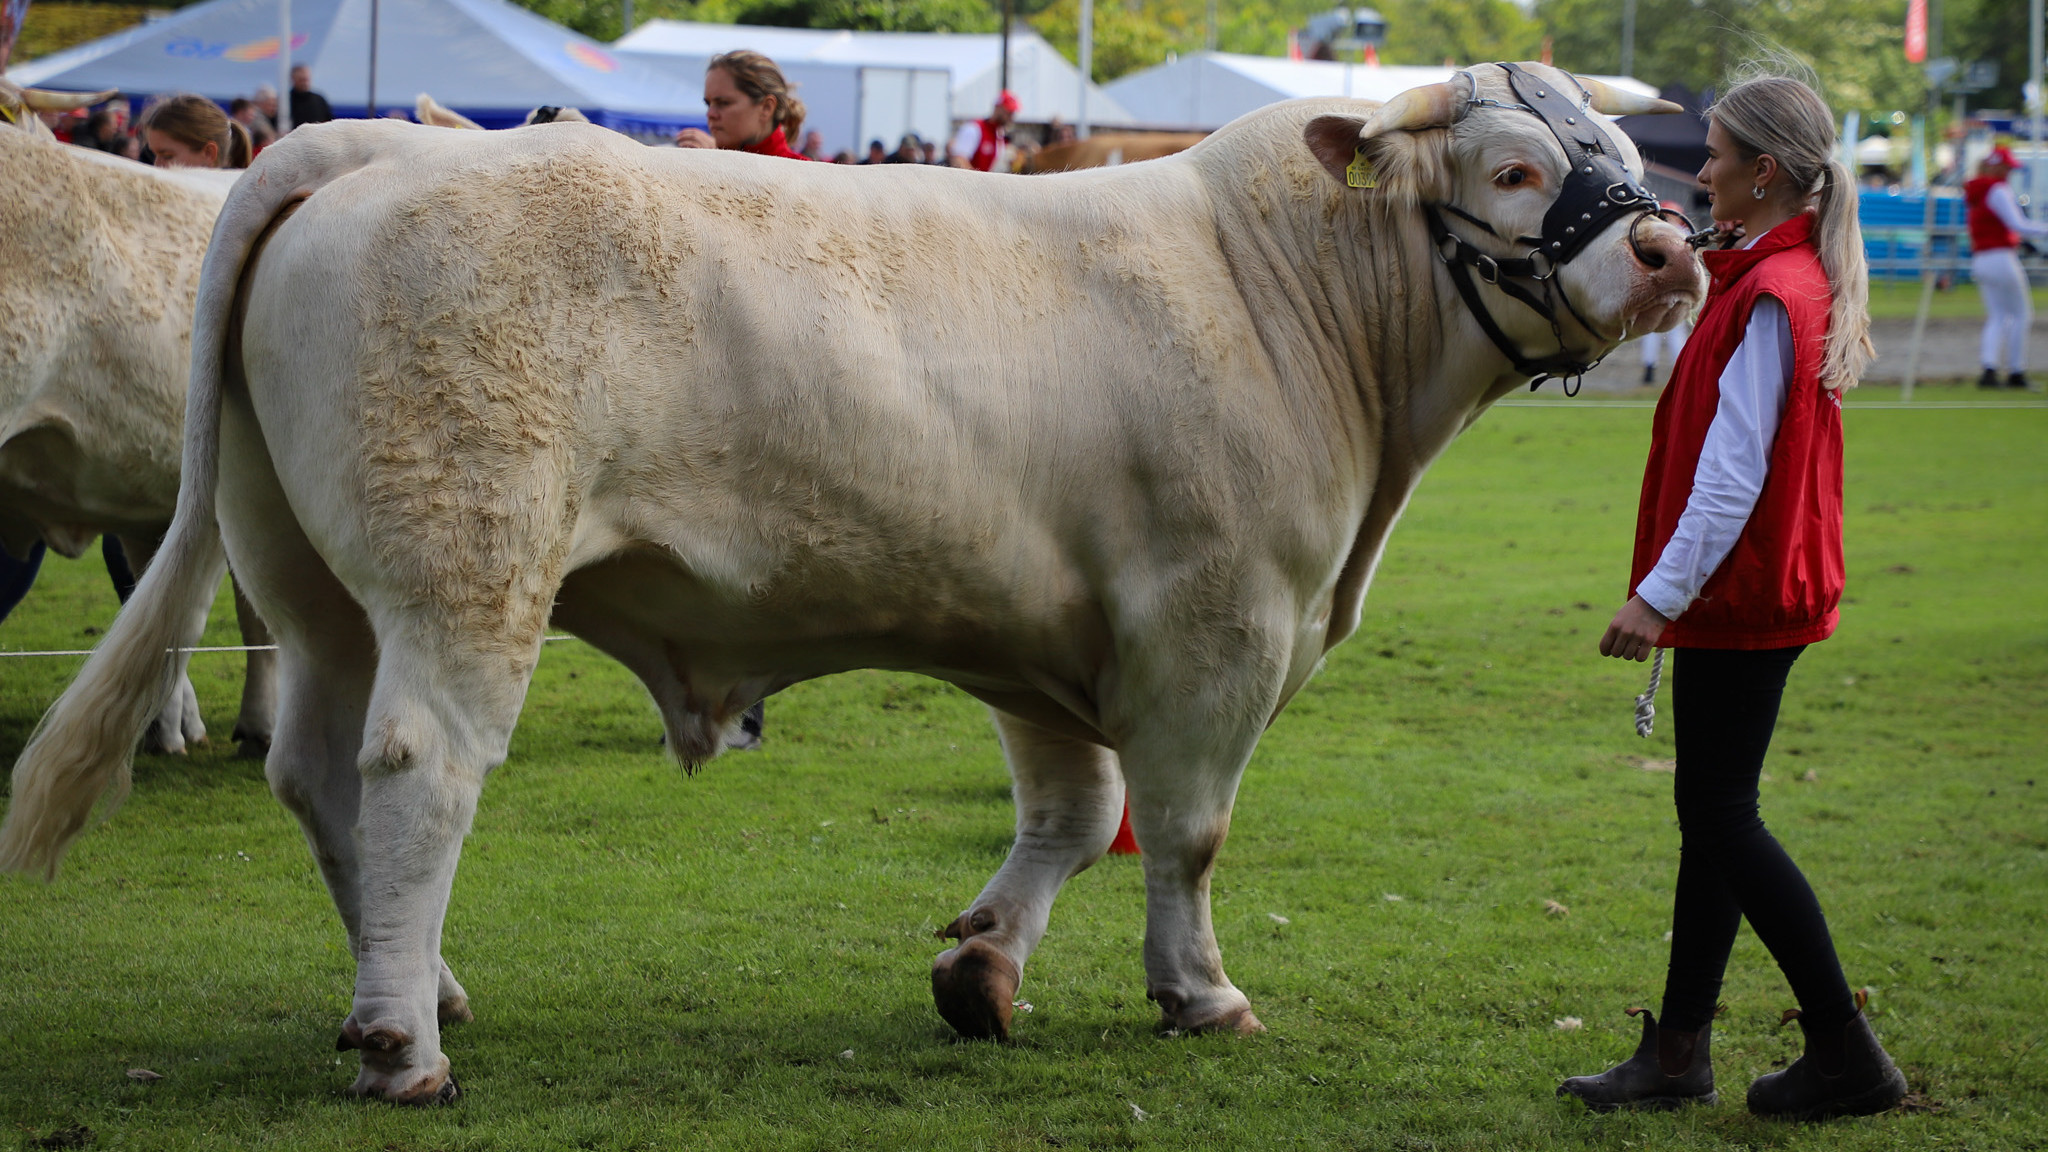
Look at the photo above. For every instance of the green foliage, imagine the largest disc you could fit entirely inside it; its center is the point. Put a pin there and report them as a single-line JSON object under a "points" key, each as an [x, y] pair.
{"points": [[738, 960], [1854, 45], [1466, 31], [54, 27]]}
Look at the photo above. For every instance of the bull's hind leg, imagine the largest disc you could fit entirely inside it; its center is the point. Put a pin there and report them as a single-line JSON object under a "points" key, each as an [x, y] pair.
{"points": [[1069, 798], [177, 724], [322, 672]]}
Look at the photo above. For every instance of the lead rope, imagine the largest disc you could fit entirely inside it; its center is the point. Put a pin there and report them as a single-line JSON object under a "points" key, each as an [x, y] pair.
{"points": [[1646, 704]]}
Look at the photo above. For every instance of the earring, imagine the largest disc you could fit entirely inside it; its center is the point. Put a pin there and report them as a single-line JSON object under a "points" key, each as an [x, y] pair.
{"points": [[1757, 191]]}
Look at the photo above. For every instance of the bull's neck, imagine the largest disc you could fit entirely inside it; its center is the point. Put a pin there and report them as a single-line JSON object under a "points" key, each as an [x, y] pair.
{"points": [[1359, 319]]}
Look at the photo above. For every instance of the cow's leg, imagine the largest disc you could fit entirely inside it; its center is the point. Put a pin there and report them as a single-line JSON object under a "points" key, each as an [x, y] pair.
{"points": [[1182, 764], [254, 725], [177, 724], [441, 717], [1069, 799], [323, 671]]}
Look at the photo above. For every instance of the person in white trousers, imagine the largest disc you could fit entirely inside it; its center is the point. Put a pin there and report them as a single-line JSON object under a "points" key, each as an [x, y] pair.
{"points": [[1997, 226]]}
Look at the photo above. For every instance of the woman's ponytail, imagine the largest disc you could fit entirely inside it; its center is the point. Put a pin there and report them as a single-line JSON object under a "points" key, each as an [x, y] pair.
{"points": [[241, 149], [1839, 236]]}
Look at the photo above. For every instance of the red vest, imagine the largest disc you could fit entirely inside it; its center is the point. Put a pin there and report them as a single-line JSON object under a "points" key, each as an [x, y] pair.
{"points": [[775, 144], [984, 157], [1987, 231], [1782, 582]]}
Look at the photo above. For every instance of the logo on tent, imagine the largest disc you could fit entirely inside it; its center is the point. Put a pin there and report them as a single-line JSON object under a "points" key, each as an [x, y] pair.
{"points": [[195, 49], [590, 57]]}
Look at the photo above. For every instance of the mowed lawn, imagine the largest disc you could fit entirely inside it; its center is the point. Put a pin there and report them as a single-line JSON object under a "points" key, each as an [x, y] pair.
{"points": [[740, 959]]}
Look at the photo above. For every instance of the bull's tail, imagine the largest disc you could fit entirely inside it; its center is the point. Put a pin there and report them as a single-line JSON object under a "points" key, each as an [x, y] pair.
{"points": [[84, 747]]}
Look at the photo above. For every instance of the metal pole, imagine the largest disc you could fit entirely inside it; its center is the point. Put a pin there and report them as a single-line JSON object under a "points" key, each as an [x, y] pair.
{"points": [[626, 18], [1628, 37], [1926, 260], [370, 104], [1209, 35], [284, 66], [1088, 66], [1003, 71], [2034, 52]]}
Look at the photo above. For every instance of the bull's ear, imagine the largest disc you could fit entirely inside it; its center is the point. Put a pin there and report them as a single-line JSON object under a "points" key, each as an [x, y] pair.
{"points": [[1335, 141]]}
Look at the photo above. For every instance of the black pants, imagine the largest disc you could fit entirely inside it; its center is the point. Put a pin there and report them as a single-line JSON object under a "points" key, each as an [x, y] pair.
{"points": [[1724, 706]]}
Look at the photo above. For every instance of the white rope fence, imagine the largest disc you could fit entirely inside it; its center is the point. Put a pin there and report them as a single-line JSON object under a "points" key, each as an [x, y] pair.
{"points": [[1646, 704], [213, 648]]}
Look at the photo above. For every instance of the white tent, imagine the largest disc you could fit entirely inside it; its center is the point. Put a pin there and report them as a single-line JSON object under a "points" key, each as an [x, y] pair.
{"points": [[1207, 90], [1044, 82], [489, 59]]}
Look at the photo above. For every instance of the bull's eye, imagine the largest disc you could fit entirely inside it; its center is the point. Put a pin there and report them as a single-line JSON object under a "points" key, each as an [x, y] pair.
{"points": [[1511, 176]]}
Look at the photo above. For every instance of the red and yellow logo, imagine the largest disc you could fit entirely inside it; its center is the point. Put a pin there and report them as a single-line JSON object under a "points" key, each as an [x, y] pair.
{"points": [[264, 49], [590, 57]]}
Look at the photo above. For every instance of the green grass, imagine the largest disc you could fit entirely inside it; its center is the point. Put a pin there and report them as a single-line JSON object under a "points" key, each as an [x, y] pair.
{"points": [[662, 962], [1900, 300]]}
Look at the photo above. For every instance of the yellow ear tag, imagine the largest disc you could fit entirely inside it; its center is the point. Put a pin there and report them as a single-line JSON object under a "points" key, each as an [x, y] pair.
{"points": [[1360, 172]]}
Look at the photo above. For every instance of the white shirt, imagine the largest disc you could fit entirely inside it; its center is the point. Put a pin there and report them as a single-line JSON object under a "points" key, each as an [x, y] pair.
{"points": [[2007, 209], [1734, 460]]}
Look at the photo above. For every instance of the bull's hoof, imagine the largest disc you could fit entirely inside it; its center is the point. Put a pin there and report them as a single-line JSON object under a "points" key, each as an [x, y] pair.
{"points": [[454, 1010], [975, 987], [251, 745], [415, 1088], [389, 1073], [1233, 1015]]}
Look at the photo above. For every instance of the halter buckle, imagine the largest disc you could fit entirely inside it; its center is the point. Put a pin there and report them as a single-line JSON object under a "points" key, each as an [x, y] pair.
{"points": [[1489, 268]]}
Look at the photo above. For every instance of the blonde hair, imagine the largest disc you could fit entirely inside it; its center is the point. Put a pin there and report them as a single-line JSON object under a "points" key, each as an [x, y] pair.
{"points": [[195, 122], [758, 77], [1784, 118]]}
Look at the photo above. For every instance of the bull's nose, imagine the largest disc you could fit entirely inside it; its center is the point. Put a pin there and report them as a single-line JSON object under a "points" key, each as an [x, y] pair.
{"points": [[1656, 243]]}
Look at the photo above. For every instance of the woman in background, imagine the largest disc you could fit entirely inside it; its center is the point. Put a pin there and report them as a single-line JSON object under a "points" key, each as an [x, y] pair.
{"points": [[187, 131], [748, 106], [1738, 566]]}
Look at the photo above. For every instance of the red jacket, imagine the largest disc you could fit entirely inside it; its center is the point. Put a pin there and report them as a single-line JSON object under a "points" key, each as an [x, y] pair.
{"points": [[990, 146], [1782, 582], [775, 144], [1987, 231]]}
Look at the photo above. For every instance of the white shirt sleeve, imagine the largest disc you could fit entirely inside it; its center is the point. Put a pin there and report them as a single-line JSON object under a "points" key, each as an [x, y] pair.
{"points": [[2007, 209], [967, 139], [1733, 462]]}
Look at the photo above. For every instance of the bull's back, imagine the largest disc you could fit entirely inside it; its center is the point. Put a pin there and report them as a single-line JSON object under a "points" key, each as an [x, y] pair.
{"points": [[854, 387]]}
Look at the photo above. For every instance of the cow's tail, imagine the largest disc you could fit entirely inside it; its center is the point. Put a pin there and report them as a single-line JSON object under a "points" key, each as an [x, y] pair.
{"points": [[82, 750]]}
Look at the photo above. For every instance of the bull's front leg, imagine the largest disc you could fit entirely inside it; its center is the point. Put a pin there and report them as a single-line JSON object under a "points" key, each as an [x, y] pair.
{"points": [[255, 724], [1182, 763], [1069, 797]]}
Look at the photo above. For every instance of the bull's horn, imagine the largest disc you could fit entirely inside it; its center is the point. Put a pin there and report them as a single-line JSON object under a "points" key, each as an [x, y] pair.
{"points": [[1430, 106], [1611, 101], [427, 112], [42, 100]]}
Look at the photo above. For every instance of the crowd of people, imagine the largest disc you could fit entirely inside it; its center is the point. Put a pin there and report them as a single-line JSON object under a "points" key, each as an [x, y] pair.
{"points": [[181, 130]]}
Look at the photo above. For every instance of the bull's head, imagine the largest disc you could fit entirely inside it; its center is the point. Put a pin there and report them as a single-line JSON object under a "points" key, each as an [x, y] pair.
{"points": [[21, 106], [1533, 203]]}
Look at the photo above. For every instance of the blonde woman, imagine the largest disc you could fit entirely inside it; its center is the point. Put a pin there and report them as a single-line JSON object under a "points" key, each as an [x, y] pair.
{"points": [[187, 131], [1738, 566]]}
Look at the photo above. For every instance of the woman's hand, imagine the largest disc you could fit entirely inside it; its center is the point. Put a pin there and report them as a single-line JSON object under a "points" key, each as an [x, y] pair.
{"points": [[1634, 631], [695, 138]]}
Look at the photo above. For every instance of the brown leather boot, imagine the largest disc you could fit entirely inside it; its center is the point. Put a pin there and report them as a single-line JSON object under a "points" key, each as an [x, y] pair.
{"points": [[1845, 1072], [1669, 1069]]}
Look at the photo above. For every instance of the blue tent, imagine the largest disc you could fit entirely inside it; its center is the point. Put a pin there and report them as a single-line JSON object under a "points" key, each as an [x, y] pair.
{"points": [[491, 60]]}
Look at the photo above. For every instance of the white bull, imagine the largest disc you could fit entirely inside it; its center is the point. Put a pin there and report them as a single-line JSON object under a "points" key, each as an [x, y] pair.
{"points": [[99, 265], [741, 422]]}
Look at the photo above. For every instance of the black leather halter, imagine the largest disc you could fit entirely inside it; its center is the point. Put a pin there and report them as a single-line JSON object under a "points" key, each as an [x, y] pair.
{"points": [[1597, 189]]}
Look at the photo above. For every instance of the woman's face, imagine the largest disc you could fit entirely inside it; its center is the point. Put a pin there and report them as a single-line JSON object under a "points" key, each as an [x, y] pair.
{"points": [[172, 152], [1729, 177], [736, 120]]}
